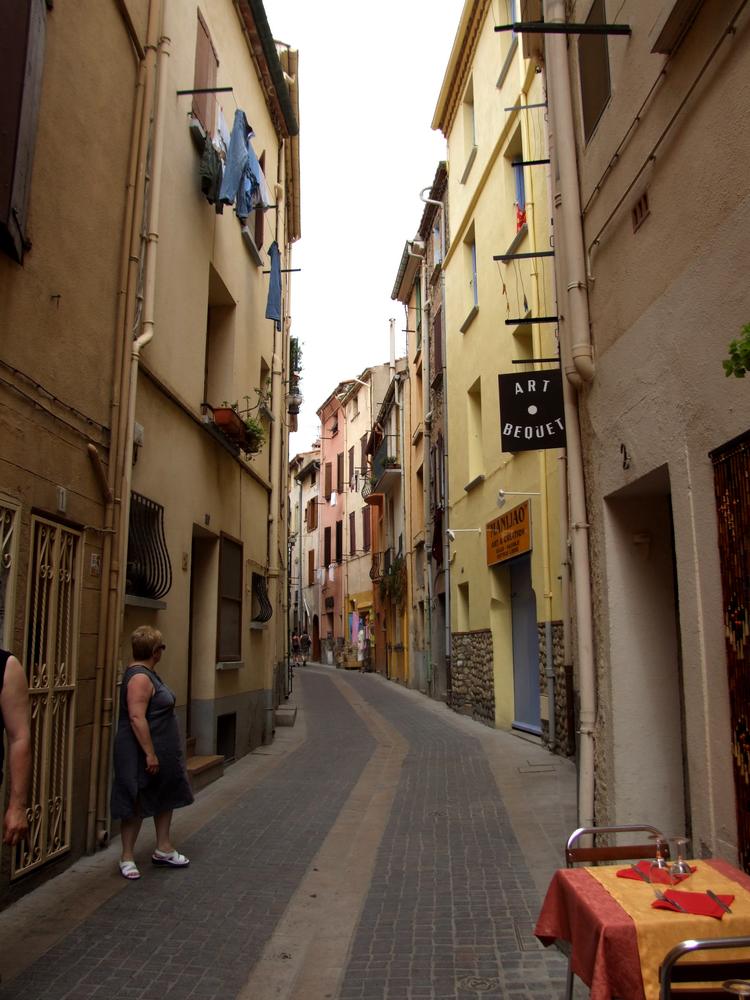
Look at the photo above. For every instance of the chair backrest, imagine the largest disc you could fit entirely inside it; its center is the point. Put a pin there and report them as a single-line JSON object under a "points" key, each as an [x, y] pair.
{"points": [[713, 969], [617, 852]]}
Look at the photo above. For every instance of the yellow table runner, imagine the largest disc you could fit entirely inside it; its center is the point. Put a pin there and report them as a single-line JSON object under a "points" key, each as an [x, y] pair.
{"points": [[660, 930]]}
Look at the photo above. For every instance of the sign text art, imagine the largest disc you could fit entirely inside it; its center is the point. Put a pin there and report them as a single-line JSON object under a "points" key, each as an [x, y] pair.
{"points": [[532, 416]]}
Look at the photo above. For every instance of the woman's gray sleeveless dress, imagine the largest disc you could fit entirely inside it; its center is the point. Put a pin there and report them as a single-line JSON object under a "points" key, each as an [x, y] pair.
{"points": [[134, 791]]}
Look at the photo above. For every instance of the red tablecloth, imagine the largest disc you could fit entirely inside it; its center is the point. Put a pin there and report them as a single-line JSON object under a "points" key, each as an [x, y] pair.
{"points": [[602, 936]]}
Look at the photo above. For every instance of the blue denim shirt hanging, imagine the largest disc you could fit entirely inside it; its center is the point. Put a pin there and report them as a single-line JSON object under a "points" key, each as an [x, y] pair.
{"points": [[273, 305], [243, 183]]}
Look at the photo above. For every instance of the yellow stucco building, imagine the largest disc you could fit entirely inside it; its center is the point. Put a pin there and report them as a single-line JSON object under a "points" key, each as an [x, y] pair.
{"points": [[507, 648]]}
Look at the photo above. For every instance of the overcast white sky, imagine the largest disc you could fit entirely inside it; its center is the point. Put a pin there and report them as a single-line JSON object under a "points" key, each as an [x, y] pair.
{"points": [[369, 79]]}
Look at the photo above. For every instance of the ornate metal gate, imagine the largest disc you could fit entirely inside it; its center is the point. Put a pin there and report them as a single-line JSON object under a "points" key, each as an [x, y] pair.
{"points": [[50, 657], [732, 485]]}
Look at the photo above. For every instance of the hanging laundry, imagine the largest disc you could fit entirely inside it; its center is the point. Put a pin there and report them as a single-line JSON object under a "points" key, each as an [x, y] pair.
{"points": [[211, 172], [332, 572], [273, 305], [244, 185]]}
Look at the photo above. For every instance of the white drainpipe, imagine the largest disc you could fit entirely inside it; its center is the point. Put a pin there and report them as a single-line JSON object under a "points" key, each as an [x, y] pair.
{"points": [[577, 356]]}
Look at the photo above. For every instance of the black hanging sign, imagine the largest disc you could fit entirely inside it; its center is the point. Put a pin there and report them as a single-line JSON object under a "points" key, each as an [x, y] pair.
{"points": [[532, 416]]}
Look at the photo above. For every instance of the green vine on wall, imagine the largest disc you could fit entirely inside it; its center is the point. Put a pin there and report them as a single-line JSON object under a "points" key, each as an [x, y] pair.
{"points": [[393, 582], [738, 361]]}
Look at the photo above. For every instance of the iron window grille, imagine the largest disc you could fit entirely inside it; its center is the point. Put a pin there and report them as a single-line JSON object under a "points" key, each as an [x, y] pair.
{"points": [[149, 570], [262, 607]]}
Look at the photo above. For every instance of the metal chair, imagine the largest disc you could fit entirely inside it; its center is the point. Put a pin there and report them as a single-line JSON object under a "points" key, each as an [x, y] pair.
{"points": [[593, 855], [729, 977]]}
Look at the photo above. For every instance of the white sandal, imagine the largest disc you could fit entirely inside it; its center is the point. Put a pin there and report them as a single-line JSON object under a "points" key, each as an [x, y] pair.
{"points": [[129, 870], [169, 859]]}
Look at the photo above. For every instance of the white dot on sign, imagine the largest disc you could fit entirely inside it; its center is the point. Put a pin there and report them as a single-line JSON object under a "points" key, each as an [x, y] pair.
{"points": [[532, 410]]}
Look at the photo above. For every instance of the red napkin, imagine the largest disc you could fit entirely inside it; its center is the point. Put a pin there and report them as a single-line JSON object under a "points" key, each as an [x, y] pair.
{"points": [[660, 875], [697, 903]]}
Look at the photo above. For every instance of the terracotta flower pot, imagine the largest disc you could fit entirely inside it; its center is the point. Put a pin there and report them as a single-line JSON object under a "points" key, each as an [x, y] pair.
{"points": [[230, 423]]}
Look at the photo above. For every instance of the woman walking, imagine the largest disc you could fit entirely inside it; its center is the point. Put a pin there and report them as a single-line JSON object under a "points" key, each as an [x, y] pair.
{"points": [[150, 776]]}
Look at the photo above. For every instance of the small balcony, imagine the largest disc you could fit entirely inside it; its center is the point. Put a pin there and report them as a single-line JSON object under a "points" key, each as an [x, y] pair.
{"points": [[386, 469], [381, 564]]}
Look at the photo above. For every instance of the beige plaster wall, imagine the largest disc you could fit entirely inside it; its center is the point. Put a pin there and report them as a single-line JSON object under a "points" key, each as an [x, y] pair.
{"points": [[665, 301]]}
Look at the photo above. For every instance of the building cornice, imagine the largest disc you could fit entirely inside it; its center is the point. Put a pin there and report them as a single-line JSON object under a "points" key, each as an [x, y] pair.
{"points": [[459, 64], [265, 55]]}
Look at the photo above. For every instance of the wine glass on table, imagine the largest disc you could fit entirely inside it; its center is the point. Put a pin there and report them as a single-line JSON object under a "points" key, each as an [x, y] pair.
{"points": [[679, 866], [659, 869]]}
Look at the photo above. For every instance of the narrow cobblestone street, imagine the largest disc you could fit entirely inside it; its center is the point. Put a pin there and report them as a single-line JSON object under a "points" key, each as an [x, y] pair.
{"points": [[383, 847]]}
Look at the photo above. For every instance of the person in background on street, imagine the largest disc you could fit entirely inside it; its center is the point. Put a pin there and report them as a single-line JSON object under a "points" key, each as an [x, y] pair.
{"points": [[361, 646], [150, 776], [304, 645], [14, 720], [295, 650]]}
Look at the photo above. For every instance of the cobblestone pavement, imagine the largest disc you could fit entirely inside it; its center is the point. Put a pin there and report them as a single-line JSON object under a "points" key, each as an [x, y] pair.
{"points": [[447, 912]]}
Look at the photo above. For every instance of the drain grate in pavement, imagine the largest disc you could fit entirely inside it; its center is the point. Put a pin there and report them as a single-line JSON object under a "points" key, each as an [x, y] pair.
{"points": [[525, 937], [537, 769], [476, 984]]}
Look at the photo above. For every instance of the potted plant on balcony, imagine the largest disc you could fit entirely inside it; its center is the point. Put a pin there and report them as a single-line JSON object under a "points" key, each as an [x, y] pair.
{"points": [[229, 422], [391, 462], [255, 435]]}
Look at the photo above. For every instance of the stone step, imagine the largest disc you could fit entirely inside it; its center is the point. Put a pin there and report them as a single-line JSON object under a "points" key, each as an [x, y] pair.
{"points": [[202, 769], [286, 715], [190, 746]]}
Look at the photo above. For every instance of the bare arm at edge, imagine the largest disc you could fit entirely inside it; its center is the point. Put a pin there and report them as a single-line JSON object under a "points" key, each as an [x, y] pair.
{"points": [[14, 704], [140, 690]]}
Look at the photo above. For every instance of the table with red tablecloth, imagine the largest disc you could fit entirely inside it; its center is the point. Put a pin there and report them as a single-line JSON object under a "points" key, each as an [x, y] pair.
{"points": [[603, 933]]}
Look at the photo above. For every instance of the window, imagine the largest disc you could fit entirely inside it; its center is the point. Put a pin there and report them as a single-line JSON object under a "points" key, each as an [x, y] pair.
{"points": [[520, 195], [149, 570], [437, 246], [206, 65], [262, 609], [229, 626], [366, 529], [437, 343], [311, 567], [593, 66], [474, 430], [24, 27], [509, 43], [328, 480], [339, 541], [327, 546], [340, 472], [352, 534], [259, 229], [311, 514], [352, 468], [471, 300], [469, 130], [463, 607], [363, 454]]}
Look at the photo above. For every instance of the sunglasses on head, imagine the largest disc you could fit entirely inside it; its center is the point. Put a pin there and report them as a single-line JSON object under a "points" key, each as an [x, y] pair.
{"points": [[160, 648]]}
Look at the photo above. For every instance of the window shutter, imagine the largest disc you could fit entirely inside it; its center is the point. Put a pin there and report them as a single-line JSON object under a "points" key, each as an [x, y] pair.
{"points": [[363, 454], [352, 534], [328, 480], [339, 541], [229, 631], [437, 340], [340, 472], [327, 547], [352, 469], [311, 567], [206, 65], [24, 25]]}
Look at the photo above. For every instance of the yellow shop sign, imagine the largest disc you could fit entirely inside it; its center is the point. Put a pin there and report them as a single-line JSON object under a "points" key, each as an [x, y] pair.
{"points": [[509, 535]]}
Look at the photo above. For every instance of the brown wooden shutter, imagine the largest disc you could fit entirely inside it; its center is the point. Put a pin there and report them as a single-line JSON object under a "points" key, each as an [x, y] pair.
{"points": [[340, 472], [363, 454], [23, 24], [326, 547], [260, 215], [352, 469], [311, 567], [229, 630], [339, 541], [328, 480], [313, 516], [437, 341], [352, 534], [206, 65]]}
